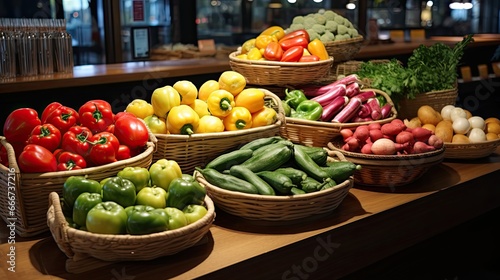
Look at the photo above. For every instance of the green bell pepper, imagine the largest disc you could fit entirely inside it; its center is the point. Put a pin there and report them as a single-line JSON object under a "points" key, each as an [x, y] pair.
{"points": [[163, 171], [176, 218], [107, 218], [82, 206], [294, 97], [286, 108], [144, 219], [184, 191], [308, 110], [194, 212], [138, 175], [119, 190], [152, 196], [76, 185]]}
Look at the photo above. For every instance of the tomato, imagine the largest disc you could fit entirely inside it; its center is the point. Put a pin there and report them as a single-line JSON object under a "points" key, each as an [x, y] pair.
{"points": [[36, 158], [19, 124], [124, 152], [46, 135], [131, 131]]}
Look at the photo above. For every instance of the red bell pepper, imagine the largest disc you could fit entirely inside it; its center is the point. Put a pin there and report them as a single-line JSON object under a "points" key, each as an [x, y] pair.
{"points": [[60, 116], [46, 135], [273, 51], [4, 156], [294, 34], [36, 159], [75, 140], [295, 41], [105, 146], [124, 152], [309, 58], [70, 161], [19, 124], [292, 54], [96, 115]]}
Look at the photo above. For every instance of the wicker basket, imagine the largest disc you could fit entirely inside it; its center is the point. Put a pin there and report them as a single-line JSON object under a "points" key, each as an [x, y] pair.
{"points": [[470, 151], [436, 99], [388, 170], [78, 244], [318, 133], [344, 50], [259, 72], [277, 208], [29, 191], [190, 151]]}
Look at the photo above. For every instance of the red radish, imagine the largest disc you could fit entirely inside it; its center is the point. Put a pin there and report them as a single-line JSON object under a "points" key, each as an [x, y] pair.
{"points": [[362, 133], [421, 134], [349, 110], [383, 146], [375, 134], [353, 144], [364, 95], [333, 108], [328, 97], [435, 141], [405, 137], [386, 110], [374, 126], [367, 148], [346, 133], [312, 91], [391, 129], [364, 111], [375, 110], [352, 89], [399, 123], [421, 147]]}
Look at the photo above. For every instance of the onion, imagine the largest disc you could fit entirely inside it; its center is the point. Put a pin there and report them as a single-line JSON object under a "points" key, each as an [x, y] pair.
{"points": [[461, 125], [446, 112], [477, 135]]}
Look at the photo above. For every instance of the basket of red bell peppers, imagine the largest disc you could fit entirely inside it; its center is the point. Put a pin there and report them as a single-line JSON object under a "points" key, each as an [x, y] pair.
{"points": [[315, 114], [39, 152]]}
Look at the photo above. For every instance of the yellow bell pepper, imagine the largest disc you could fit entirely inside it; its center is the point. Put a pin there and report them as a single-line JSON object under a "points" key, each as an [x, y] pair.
{"points": [[206, 88], [242, 56], [274, 30], [156, 124], [163, 99], [254, 54], [182, 119], [200, 107], [239, 118], [209, 124], [262, 41], [220, 103], [263, 117], [187, 90], [250, 98], [140, 108], [247, 46], [316, 47]]}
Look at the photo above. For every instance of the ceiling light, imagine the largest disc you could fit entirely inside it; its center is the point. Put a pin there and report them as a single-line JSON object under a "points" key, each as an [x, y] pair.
{"points": [[461, 5]]}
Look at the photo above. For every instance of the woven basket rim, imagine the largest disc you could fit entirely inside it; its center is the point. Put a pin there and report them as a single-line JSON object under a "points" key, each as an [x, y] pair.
{"points": [[488, 144], [54, 201], [233, 58], [356, 39], [281, 120], [394, 114], [431, 156]]}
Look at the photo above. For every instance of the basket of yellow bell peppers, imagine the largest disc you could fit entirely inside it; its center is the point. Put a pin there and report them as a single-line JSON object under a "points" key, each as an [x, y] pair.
{"points": [[194, 124], [275, 57]]}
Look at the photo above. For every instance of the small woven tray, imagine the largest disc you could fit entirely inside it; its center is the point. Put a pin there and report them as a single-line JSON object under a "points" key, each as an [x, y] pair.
{"points": [[277, 208], [29, 191], [318, 133], [388, 170], [344, 50], [80, 246], [259, 72], [436, 99], [470, 151], [197, 149]]}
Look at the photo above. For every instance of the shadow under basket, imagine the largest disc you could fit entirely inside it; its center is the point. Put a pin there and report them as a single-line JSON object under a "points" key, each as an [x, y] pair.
{"points": [[389, 170]]}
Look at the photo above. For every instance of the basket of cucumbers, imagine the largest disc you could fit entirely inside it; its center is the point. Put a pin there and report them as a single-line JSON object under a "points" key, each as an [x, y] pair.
{"points": [[273, 179]]}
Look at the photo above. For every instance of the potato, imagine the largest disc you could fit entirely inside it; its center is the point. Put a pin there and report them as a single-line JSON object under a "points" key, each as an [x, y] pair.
{"points": [[444, 130], [414, 122], [460, 139], [491, 136], [428, 115], [430, 127], [492, 127]]}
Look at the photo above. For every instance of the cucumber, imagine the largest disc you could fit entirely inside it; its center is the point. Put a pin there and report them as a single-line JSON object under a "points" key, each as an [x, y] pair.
{"points": [[319, 155], [246, 174], [226, 181], [297, 191], [310, 185], [339, 171], [270, 147], [225, 161], [304, 162], [295, 174], [280, 182], [260, 142], [270, 160]]}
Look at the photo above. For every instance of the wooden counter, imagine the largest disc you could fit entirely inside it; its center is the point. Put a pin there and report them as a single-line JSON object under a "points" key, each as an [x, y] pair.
{"points": [[369, 225]]}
